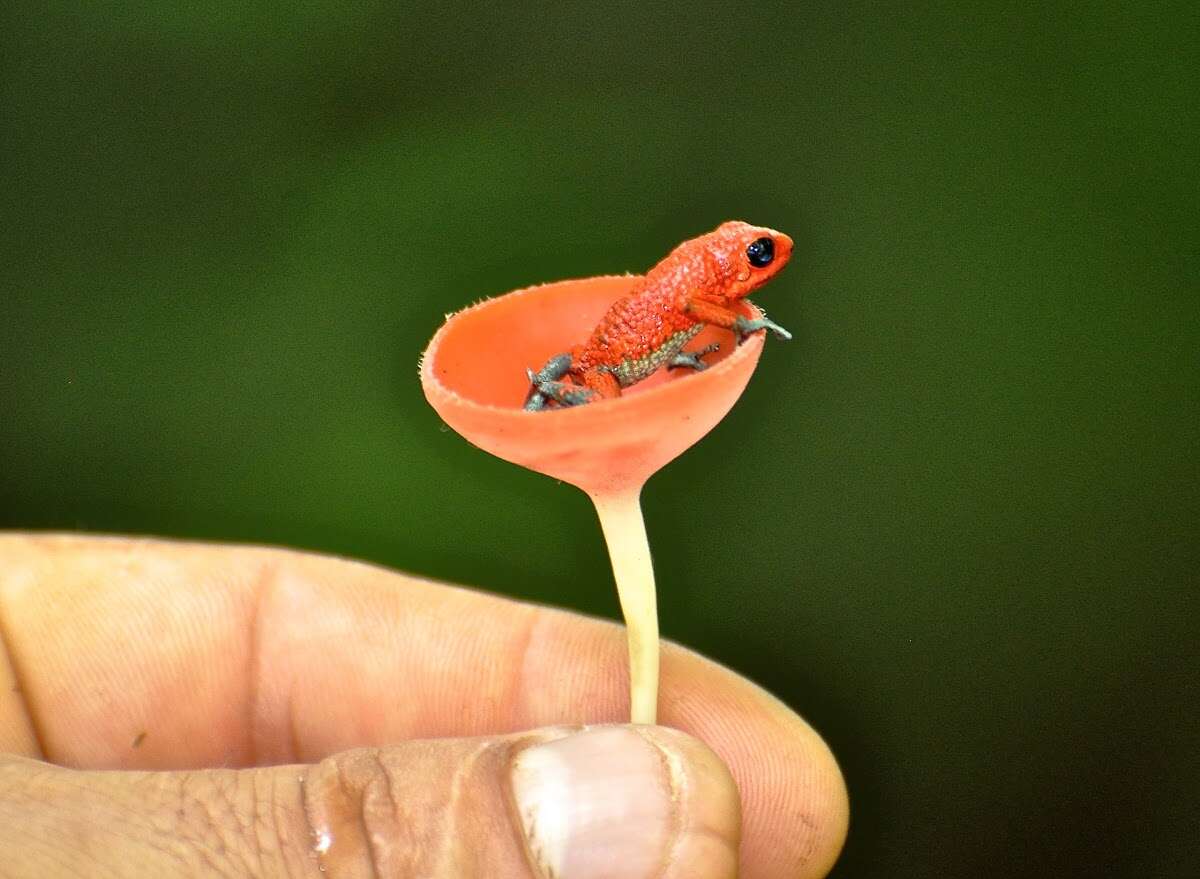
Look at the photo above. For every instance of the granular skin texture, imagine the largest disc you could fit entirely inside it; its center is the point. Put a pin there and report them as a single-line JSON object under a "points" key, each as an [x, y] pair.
{"points": [[694, 285]]}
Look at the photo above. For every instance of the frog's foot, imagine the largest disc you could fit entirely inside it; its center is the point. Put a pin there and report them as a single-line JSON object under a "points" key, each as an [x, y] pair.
{"points": [[692, 359], [563, 393], [556, 367], [743, 327]]}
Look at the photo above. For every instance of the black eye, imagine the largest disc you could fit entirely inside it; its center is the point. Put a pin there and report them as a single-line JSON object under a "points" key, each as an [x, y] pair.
{"points": [[761, 252]]}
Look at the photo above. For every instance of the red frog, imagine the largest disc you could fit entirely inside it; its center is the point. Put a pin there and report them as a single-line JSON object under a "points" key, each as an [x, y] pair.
{"points": [[694, 285]]}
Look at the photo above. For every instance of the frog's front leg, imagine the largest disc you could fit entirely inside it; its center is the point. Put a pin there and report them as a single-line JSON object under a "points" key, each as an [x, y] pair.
{"points": [[719, 315], [744, 327]]}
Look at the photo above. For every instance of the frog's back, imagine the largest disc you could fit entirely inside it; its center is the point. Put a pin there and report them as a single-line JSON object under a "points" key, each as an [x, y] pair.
{"points": [[644, 330], [638, 334]]}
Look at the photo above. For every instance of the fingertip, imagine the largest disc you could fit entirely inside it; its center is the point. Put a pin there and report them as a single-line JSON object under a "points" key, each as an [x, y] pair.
{"points": [[709, 807], [801, 833], [638, 801], [823, 810], [794, 801]]}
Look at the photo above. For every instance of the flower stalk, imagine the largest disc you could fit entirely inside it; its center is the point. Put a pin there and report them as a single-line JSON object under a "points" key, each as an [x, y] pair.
{"points": [[624, 529]]}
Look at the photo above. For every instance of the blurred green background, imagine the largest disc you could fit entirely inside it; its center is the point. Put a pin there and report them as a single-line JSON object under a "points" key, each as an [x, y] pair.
{"points": [[969, 487]]}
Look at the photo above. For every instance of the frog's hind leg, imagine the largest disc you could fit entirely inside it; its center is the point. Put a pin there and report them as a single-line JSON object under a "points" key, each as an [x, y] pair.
{"points": [[692, 359], [556, 367], [598, 384], [563, 393], [602, 383]]}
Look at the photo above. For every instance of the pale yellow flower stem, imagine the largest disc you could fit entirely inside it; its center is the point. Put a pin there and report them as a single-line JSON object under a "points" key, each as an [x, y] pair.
{"points": [[625, 533]]}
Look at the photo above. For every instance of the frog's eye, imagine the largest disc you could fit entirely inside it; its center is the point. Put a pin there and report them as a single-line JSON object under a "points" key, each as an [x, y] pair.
{"points": [[761, 252]]}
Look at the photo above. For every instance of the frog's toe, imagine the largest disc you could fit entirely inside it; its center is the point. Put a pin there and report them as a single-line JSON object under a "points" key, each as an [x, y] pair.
{"points": [[535, 400], [692, 359], [565, 394], [779, 331], [556, 367], [744, 327]]}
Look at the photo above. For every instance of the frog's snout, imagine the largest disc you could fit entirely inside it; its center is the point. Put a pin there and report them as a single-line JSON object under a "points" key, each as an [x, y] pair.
{"points": [[783, 247]]}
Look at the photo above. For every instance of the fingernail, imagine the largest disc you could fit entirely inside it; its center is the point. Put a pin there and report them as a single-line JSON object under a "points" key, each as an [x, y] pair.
{"points": [[598, 803]]}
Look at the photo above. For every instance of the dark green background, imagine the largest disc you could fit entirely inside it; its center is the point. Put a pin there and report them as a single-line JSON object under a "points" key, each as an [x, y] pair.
{"points": [[968, 487]]}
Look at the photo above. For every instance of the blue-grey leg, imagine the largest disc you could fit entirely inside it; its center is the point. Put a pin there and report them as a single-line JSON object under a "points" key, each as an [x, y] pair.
{"points": [[692, 358], [743, 327], [556, 367], [563, 393]]}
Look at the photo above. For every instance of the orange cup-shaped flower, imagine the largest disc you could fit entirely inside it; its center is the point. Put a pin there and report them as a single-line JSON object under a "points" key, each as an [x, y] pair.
{"points": [[474, 374]]}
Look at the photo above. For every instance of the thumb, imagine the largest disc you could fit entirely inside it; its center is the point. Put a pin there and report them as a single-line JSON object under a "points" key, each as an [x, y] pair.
{"points": [[555, 803]]}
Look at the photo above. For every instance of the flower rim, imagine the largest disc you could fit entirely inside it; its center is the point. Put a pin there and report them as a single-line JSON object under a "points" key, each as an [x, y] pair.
{"points": [[431, 381]]}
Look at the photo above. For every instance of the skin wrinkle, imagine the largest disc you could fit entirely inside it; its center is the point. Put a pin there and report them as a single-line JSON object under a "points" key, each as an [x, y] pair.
{"points": [[274, 804], [264, 584], [510, 800], [188, 825], [24, 697], [293, 833], [243, 783], [387, 781], [677, 784], [221, 807], [309, 865], [516, 684], [258, 823], [360, 800], [306, 772], [221, 816], [516, 819], [181, 813], [450, 831], [293, 738]]}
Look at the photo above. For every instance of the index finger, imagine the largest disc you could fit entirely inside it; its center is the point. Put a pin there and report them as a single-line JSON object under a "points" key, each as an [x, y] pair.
{"points": [[151, 654]]}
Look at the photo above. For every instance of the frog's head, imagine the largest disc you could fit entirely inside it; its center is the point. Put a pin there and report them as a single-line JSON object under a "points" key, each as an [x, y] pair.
{"points": [[748, 256]]}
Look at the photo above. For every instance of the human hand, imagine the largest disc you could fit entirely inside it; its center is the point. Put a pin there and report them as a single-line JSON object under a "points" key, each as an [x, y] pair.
{"points": [[273, 713]]}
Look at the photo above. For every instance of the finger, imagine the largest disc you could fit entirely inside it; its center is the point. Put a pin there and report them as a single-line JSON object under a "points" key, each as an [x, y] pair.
{"points": [[553, 804], [160, 655]]}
